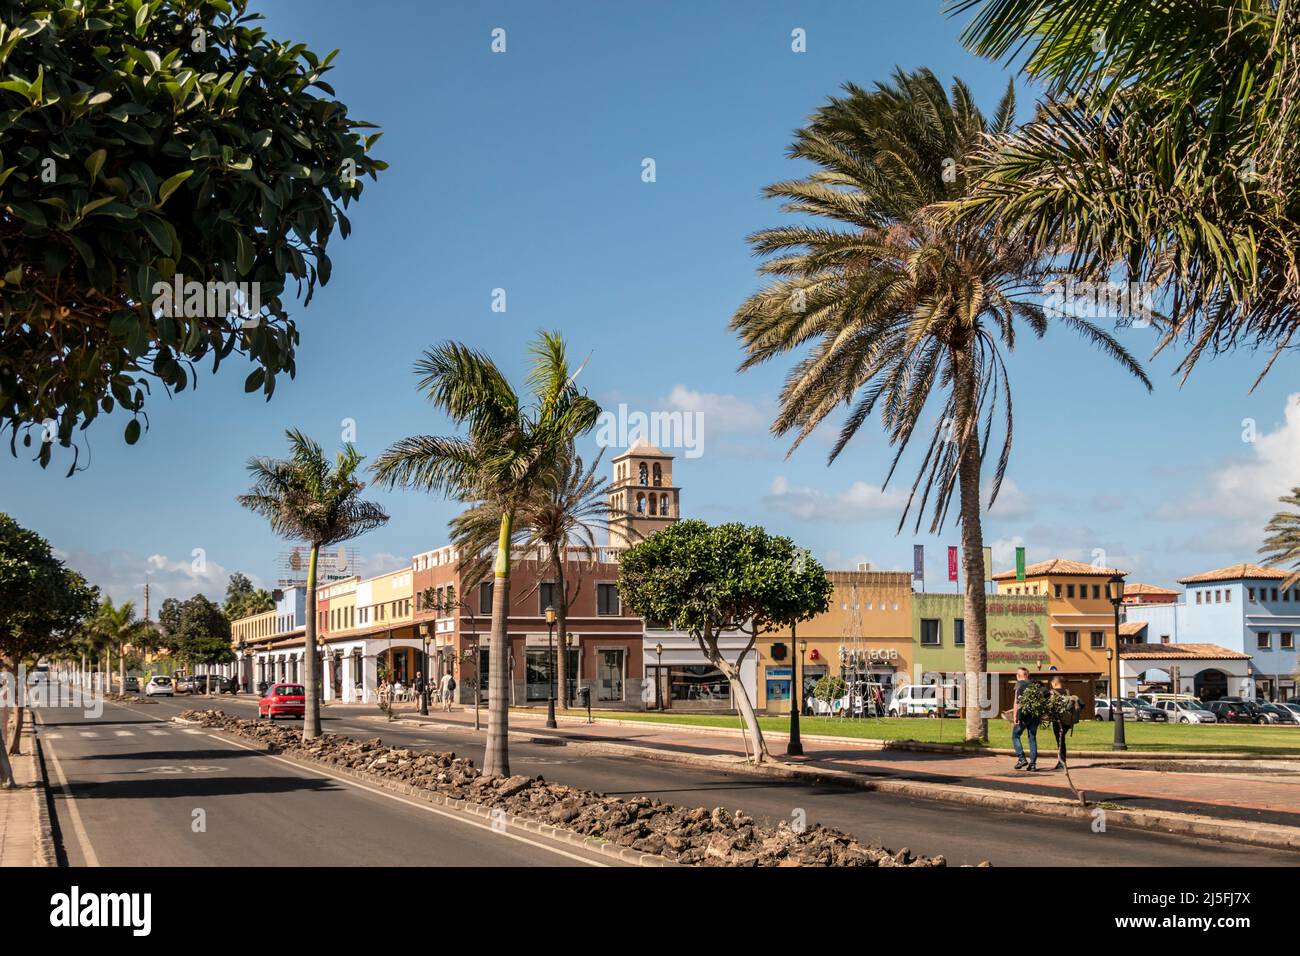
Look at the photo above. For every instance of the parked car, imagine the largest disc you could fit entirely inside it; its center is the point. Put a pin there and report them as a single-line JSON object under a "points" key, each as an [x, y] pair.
{"points": [[923, 700], [1131, 709], [1277, 714], [282, 700], [185, 684], [1294, 708], [1231, 712], [159, 686], [1190, 711], [131, 685]]}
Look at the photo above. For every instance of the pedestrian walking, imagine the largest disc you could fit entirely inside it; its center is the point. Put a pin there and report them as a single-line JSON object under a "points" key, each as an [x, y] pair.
{"points": [[1023, 724], [1058, 725], [446, 690]]}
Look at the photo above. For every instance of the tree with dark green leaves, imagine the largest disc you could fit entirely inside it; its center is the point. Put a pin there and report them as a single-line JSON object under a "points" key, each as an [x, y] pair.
{"points": [[1163, 152], [170, 178], [42, 604], [509, 451], [197, 631], [713, 580], [242, 599], [305, 498]]}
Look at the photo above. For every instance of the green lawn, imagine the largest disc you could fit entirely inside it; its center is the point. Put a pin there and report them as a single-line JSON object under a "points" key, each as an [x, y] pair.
{"points": [[1089, 735]]}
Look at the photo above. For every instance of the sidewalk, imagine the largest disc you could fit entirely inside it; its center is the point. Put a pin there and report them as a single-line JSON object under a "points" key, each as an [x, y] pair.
{"points": [[1259, 792], [22, 813]]}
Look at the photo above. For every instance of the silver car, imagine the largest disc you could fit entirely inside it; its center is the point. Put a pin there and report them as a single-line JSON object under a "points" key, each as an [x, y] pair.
{"points": [[1187, 712]]}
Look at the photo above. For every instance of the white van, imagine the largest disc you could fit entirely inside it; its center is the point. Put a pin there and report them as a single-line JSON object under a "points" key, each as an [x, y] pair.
{"points": [[923, 700]]}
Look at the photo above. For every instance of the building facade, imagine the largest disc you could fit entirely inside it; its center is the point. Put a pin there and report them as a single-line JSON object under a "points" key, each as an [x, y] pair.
{"points": [[1081, 618], [1244, 610]]}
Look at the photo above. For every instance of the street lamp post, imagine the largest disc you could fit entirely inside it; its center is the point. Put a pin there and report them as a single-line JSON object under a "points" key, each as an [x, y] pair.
{"points": [[795, 746], [1115, 591], [550, 644], [659, 676], [564, 691], [424, 672]]}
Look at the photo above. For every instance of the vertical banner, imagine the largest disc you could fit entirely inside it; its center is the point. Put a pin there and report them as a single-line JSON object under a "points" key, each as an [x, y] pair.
{"points": [[918, 564], [1020, 564], [952, 563], [988, 565]]}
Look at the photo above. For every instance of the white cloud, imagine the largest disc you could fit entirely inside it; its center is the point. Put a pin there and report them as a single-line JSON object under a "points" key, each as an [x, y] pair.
{"points": [[122, 575], [1012, 503], [858, 502], [722, 413], [1248, 489]]}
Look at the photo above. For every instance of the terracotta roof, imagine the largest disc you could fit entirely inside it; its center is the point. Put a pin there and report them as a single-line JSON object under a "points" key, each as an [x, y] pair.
{"points": [[1132, 627], [642, 449], [1236, 572], [1139, 588], [1200, 652], [1059, 566]]}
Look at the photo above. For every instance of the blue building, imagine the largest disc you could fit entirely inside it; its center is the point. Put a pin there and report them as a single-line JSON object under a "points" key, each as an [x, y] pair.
{"points": [[1242, 608]]}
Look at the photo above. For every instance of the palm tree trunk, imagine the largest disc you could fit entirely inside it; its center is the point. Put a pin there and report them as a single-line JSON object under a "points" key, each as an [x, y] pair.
{"points": [[972, 542], [311, 705], [496, 758], [561, 616]]}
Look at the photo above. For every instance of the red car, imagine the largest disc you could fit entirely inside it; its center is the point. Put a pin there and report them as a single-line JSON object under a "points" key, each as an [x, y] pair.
{"points": [[282, 700]]}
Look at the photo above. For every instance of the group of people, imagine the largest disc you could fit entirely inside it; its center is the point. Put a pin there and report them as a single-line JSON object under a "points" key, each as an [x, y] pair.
{"points": [[443, 692], [1024, 724]]}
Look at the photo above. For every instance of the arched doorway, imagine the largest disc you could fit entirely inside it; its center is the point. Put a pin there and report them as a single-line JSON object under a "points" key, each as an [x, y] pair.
{"points": [[1211, 684]]}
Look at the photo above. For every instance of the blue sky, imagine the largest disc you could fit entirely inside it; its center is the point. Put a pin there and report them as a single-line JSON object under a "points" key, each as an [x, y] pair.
{"points": [[522, 171]]}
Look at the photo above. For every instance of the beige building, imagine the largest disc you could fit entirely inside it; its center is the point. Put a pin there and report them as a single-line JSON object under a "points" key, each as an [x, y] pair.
{"points": [[642, 498]]}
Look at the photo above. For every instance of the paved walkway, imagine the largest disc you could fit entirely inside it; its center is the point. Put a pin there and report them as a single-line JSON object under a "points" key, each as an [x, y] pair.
{"points": [[1259, 791], [18, 811]]}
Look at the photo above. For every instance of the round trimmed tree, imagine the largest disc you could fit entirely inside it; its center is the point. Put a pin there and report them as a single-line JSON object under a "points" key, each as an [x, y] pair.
{"points": [[711, 581]]}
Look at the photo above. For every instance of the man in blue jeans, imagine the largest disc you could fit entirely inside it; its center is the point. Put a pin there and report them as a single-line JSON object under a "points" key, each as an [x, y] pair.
{"points": [[1027, 726]]}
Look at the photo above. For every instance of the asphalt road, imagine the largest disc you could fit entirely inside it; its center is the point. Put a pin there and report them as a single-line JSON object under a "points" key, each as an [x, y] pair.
{"points": [[133, 789], [961, 834]]}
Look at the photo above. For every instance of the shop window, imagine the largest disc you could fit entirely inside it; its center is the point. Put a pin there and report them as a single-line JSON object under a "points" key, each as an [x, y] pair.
{"points": [[698, 684], [778, 685]]}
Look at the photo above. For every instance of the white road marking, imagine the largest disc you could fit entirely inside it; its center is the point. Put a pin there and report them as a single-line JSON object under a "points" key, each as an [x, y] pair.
{"points": [[89, 733], [192, 730], [417, 804], [53, 737], [157, 733], [78, 828], [123, 733]]}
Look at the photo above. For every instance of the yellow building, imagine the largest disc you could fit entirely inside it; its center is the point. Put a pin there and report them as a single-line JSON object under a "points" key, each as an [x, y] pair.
{"points": [[1081, 618], [642, 496], [870, 617]]}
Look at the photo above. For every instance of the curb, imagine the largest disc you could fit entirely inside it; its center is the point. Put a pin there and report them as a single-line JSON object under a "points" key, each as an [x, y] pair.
{"points": [[1265, 835], [498, 817], [45, 853]]}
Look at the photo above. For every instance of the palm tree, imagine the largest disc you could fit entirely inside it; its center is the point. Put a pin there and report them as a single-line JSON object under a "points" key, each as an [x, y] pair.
{"points": [[1164, 150], [899, 304], [305, 499], [507, 452], [561, 520], [117, 626], [1282, 546]]}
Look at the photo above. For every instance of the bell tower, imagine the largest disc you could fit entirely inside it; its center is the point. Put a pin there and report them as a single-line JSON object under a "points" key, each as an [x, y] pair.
{"points": [[642, 498]]}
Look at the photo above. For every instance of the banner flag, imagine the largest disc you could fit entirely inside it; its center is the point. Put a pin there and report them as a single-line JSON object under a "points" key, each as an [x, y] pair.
{"points": [[952, 563], [1020, 564]]}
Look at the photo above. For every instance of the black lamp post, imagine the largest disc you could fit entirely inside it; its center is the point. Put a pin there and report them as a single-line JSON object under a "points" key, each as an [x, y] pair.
{"points": [[795, 746], [659, 676], [1115, 591], [564, 691], [424, 672], [550, 643]]}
